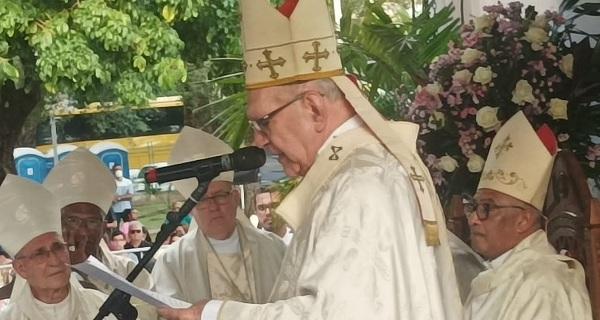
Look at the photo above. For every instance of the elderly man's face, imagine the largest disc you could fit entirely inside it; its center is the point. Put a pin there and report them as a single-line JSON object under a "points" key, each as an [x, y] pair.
{"points": [[215, 213], [265, 203], [493, 236], [83, 225], [289, 131], [43, 262]]}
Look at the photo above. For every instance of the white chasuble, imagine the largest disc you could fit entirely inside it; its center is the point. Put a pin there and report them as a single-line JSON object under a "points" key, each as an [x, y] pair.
{"points": [[80, 304], [359, 248], [186, 272], [531, 282], [231, 276]]}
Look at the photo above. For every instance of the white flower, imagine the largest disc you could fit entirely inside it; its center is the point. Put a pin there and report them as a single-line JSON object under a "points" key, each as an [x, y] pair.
{"points": [[470, 55], [462, 76], [434, 88], [541, 22], [536, 36], [523, 93], [566, 65], [475, 163], [484, 22], [483, 75], [448, 164], [558, 109], [487, 118]]}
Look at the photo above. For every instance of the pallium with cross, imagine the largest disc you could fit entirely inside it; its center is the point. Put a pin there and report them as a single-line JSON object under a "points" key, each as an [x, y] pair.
{"points": [[270, 63], [417, 177], [316, 55]]}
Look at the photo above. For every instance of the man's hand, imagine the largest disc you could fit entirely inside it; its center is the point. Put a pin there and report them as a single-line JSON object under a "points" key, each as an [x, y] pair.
{"points": [[192, 313]]}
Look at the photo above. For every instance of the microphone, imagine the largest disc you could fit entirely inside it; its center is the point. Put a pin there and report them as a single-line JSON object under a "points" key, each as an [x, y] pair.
{"points": [[247, 158]]}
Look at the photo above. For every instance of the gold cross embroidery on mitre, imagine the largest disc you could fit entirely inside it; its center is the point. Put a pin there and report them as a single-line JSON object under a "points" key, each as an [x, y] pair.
{"points": [[417, 177], [316, 55], [270, 63], [504, 146]]}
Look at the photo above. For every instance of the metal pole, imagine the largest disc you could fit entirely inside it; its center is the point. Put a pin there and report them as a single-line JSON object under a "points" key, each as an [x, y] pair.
{"points": [[54, 136], [337, 11]]}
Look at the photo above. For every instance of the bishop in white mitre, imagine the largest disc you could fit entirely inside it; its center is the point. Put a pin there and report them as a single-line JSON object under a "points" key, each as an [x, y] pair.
{"points": [[222, 256], [369, 235], [84, 189], [31, 233], [526, 278]]}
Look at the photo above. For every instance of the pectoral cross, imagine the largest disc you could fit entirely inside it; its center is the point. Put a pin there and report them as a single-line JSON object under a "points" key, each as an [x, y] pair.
{"points": [[316, 55], [504, 146], [417, 177], [270, 63]]}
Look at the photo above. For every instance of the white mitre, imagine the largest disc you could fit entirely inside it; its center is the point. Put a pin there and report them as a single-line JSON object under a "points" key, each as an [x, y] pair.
{"points": [[81, 177], [195, 144], [28, 210], [518, 164]]}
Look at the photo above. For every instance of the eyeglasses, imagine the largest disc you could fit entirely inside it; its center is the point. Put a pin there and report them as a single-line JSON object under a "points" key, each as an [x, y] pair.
{"points": [[262, 124], [219, 198], [482, 210], [263, 207], [76, 222], [40, 256], [135, 231]]}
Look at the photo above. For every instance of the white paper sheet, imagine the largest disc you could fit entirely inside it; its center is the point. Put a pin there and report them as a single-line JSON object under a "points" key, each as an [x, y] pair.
{"points": [[97, 270]]}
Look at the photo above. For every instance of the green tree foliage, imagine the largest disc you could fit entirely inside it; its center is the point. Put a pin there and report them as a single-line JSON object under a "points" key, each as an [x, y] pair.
{"points": [[91, 50]]}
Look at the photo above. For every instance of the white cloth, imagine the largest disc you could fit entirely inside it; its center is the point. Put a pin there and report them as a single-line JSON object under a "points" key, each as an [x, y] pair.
{"points": [[124, 186], [182, 270], [361, 251], [288, 236], [80, 304], [122, 266], [532, 282]]}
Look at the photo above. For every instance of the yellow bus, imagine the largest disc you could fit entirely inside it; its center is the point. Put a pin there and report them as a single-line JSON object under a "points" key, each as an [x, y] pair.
{"points": [[163, 119]]}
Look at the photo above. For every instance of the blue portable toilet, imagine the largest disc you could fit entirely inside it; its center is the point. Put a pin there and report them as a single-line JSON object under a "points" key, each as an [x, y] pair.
{"points": [[111, 154], [62, 150], [30, 163]]}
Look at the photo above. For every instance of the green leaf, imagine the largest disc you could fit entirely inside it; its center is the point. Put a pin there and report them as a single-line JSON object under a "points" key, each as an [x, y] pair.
{"points": [[140, 63], [9, 71]]}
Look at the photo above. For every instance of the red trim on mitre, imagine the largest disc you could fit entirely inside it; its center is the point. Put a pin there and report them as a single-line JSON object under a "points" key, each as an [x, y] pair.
{"points": [[287, 8], [548, 138]]}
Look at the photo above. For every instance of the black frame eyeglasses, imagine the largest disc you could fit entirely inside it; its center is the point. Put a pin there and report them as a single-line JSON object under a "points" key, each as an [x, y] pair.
{"points": [[262, 124], [482, 210]]}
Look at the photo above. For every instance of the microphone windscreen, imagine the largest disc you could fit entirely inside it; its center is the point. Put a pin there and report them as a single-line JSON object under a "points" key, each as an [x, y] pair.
{"points": [[248, 158]]}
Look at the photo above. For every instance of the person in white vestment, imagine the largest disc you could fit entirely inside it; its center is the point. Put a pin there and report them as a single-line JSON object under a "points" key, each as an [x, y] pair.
{"points": [[266, 202], [526, 278], [370, 240], [222, 256], [84, 189], [30, 232]]}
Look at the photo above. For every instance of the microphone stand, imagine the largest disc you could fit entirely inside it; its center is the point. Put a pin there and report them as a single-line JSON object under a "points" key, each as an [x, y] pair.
{"points": [[118, 302]]}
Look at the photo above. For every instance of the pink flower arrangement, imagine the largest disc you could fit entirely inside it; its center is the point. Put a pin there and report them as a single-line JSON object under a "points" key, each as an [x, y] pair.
{"points": [[507, 60]]}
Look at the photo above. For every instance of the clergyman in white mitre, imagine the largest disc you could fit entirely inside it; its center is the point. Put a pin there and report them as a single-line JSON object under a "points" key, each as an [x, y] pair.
{"points": [[31, 233], [526, 278], [370, 240], [223, 257], [84, 189]]}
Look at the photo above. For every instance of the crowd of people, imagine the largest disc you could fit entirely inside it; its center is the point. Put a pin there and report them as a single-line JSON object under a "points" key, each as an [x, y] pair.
{"points": [[362, 236]]}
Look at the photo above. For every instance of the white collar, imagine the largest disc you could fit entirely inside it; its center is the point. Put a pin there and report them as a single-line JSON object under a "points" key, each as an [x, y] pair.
{"points": [[352, 123], [499, 261], [230, 245]]}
